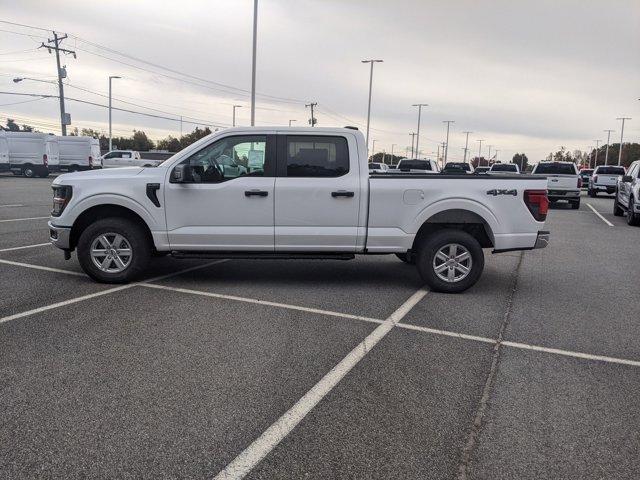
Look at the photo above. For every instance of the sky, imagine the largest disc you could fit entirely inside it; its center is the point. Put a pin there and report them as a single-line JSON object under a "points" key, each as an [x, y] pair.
{"points": [[524, 76]]}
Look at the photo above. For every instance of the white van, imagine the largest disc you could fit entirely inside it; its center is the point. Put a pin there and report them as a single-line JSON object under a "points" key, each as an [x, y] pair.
{"points": [[78, 153], [29, 153]]}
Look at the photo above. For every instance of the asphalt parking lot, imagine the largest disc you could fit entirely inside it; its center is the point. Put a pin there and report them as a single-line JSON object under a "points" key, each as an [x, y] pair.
{"points": [[321, 369]]}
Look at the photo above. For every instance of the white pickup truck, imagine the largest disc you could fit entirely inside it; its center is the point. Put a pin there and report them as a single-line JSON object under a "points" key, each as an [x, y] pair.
{"points": [[127, 158], [564, 181], [312, 198]]}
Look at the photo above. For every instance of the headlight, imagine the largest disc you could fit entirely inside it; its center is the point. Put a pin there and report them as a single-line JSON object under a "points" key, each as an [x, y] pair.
{"points": [[61, 197]]}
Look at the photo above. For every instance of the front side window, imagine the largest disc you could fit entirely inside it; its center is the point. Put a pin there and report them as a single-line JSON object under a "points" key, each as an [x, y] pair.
{"points": [[318, 156], [228, 158]]}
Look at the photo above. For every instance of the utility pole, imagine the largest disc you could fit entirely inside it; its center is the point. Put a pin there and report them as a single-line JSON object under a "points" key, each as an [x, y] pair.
{"points": [[606, 155], [413, 137], [444, 160], [480, 151], [621, 137], [595, 158], [180, 131], [234, 114], [370, 88], [65, 119], [446, 151], [489, 155], [291, 121], [253, 63], [313, 119], [419, 105], [466, 145], [111, 77], [497, 156]]}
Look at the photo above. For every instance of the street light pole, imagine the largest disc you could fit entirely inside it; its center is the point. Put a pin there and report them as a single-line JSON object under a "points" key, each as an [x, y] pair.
{"points": [[446, 151], [621, 137], [111, 77], [370, 88], [466, 145], [595, 157], [419, 105], [234, 114], [606, 155], [413, 138], [253, 63], [479, 151], [489, 154]]}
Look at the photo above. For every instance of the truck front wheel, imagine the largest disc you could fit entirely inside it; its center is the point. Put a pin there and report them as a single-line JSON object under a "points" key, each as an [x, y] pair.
{"points": [[450, 261], [114, 250]]}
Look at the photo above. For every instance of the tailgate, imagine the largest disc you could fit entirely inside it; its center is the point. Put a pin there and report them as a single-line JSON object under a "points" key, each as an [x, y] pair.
{"points": [[562, 182], [607, 180]]}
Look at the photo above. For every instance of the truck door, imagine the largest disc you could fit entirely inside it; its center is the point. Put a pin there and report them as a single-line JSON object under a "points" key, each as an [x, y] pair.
{"points": [[217, 209], [317, 193], [53, 154]]}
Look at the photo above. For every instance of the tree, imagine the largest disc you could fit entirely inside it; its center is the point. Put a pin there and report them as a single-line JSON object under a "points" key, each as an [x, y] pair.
{"points": [[388, 159], [522, 160], [141, 142], [479, 162]]}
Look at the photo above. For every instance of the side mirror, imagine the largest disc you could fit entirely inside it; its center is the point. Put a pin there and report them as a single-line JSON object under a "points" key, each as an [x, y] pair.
{"points": [[181, 174], [627, 179]]}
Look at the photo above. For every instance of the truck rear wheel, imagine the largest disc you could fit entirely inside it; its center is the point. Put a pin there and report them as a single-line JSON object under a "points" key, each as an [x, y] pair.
{"points": [[28, 171], [450, 261], [114, 250], [633, 218]]}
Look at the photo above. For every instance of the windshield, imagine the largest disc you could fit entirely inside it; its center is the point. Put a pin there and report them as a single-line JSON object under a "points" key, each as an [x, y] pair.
{"points": [[504, 167], [610, 171], [553, 168], [458, 166], [586, 172], [374, 166], [414, 164]]}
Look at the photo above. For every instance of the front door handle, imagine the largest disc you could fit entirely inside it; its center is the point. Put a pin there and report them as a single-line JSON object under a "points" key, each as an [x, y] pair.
{"points": [[342, 193], [255, 193]]}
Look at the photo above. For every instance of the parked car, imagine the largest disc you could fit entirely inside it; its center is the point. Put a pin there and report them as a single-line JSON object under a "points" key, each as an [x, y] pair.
{"points": [[481, 170], [27, 153], [315, 198], [378, 167], [127, 158], [414, 165], [564, 183], [504, 168], [585, 176], [458, 167], [78, 153], [604, 179], [627, 199]]}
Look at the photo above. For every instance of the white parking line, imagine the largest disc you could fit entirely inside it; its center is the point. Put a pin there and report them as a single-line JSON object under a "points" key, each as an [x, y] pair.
{"points": [[14, 205], [40, 267], [93, 295], [22, 219], [446, 333], [24, 246], [569, 353], [599, 215], [263, 302], [271, 437]]}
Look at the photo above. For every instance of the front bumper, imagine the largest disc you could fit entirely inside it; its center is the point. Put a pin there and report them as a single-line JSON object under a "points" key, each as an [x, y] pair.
{"points": [[563, 194], [59, 236]]}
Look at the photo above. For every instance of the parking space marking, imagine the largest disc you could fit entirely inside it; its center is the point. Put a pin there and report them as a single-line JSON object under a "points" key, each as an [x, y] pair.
{"points": [[40, 267], [15, 205], [22, 219], [446, 333], [97, 294], [569, 353], [263, 302], [599, 215], [271, 437], [23, 247]]}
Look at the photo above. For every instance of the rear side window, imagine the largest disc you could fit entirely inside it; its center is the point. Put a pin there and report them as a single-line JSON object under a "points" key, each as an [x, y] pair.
{"points": [[556, 169], [320, 156], [610, 171], [503, 167]]}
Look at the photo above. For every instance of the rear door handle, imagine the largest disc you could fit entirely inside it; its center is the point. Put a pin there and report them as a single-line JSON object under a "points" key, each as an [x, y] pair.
{"points": [[255, 193], [342, 193]]}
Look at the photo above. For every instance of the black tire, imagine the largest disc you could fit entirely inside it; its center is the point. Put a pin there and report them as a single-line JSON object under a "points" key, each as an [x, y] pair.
{"points": [[407, 258], [592, 193], [133, 233], [429, 248], [43, 174], [575, 205], [617, 209], [633, 218], [29, 171]]}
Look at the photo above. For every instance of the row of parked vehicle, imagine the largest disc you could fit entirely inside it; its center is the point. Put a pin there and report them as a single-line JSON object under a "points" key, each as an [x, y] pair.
{"points": [[430, 166], [39, 154]]}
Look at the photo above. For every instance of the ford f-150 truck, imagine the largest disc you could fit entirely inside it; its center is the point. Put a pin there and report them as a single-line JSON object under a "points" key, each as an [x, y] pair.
{"points": [[564, 181], [313, 197]]}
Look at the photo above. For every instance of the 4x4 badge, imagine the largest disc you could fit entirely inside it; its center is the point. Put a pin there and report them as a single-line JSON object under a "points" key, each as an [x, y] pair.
{"points": [[495, 192]]}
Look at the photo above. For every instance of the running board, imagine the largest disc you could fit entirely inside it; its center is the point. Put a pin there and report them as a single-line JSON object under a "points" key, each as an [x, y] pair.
{"points": [[265, 255]]}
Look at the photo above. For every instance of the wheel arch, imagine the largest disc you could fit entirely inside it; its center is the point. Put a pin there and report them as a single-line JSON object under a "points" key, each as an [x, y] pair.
{"points": [[460, 219]]}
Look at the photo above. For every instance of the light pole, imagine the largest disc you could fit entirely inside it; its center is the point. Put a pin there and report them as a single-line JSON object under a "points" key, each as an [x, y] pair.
{"points": [[234, 114], [370, 87], [111, 77], [606, 154], [291, 121], [479, 150], [489, 154], [621, 137], [413, 138], [419, 105], [497, 156], [466, 145], [446, 151], [253, 63], [595, 157]]}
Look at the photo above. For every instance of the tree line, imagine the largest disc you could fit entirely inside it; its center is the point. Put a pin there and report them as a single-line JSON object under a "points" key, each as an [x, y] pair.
{"points": [[630, 153]]}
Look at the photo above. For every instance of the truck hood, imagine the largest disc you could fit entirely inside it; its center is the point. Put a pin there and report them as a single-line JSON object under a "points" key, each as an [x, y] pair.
{"points": [[111, 173]]}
